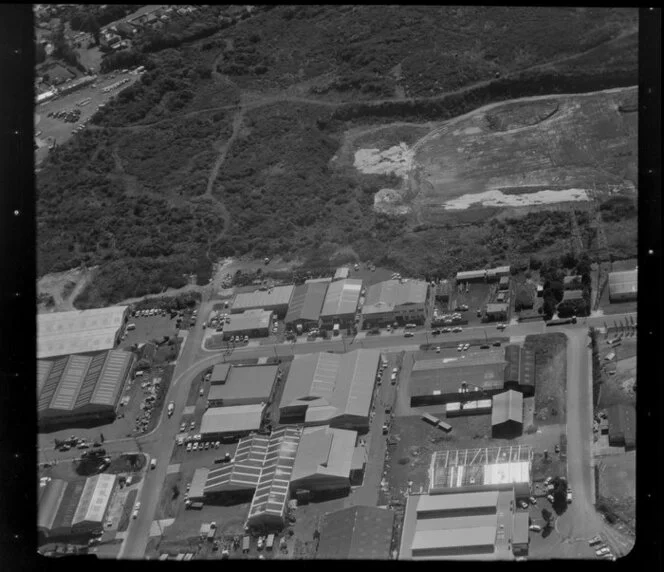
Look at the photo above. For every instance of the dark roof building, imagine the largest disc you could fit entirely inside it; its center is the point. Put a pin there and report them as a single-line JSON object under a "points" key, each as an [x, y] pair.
{"points": [[520, 369], [507, 414], [244, 385], [356, 533], [622, 426], [220, 373], [306, 304]]}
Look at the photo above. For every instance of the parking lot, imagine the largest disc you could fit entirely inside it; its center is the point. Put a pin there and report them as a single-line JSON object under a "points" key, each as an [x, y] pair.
{"points": [[476, 297], [149, 329], [61, 131]]}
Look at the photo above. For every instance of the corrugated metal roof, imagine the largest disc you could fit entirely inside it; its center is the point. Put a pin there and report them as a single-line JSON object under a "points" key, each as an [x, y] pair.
{"points": [[49, 503], [520, 531], [71, 381], [324, 451], [307, 302], [272, 490], [456, 501], [344, 382], [507, 406], [463, 537], [250, 382], [356, 533], [43, 369], [342, 297], [513, 359], [391, 294], [198, 483], [69, 504], [249, 320], [459, 522], [62, 333], [110, 382], [94, 499], [624, 282], [277, 296], [232, 419]]}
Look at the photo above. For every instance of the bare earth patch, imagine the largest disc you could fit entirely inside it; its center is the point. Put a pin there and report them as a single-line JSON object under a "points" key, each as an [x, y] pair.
{"points": [[397, 160], [497, 198]]}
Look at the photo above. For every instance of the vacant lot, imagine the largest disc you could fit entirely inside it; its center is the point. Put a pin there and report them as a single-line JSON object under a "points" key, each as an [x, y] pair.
{"points": [[618, 374], [617, 486], [582, 140], [476, 297], [550, 376]]}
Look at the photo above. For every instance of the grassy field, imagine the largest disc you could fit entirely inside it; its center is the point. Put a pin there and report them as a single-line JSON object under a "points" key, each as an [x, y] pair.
{"points": [[127, 510], [551, 376], [617, 487]]}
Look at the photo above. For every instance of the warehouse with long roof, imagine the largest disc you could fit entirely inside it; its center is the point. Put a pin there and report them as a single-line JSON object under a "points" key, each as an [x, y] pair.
{"points": [[341, 302], [231, 422], [244, 385], [80, 331], [404, 301], [306, 305], [436, 380], [251, 323], [80, 389], [334, 389], [470, 525]]}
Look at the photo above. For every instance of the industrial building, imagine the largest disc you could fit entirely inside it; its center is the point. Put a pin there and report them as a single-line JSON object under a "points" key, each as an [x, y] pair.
{"points": [[244, 385], [76, 508], [504, 283], [443, 291], [486, 275], [402, 301], [305, 305], [267, 470], [485, 469], [507, 415], [334, 389], [220, 373], [622, 426], [340, 304], [252, 323], [496, 312], [80, 331], [319, 280], [520, 369], [623, 286], [81, 390], [471, 526], [273, 299], [467, 378], [231, 422], [324, 460], [356, 533]]}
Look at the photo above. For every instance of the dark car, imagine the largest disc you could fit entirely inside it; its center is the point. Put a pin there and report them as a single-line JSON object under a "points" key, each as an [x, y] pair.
{"points": [[435, 332], [496, 344]]}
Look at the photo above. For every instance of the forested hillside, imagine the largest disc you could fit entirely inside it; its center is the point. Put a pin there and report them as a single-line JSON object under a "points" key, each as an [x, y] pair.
{"points": [[209, 155]]}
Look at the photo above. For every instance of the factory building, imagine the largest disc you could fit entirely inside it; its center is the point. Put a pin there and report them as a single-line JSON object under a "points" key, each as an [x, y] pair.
{"points": [[520, 369], [340, 304], [334, 389], [229, 423], [80, 331], [81, 390], [403, 301], [622, 426], [342, 273], [469, 526], [244, 385], [306, 305], [272, 300], [623, 286], [464, 379], [252, 323], [486, 275]]}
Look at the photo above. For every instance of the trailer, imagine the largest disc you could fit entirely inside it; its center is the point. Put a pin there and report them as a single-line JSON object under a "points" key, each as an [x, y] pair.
{"points": [[245, 544], [270, 542], [436, 422]]}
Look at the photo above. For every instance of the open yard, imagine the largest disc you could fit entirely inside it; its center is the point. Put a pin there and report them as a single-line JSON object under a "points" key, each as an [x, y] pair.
{"points": [[550, 376], [617, 487], [476, 297], [619, 373]]}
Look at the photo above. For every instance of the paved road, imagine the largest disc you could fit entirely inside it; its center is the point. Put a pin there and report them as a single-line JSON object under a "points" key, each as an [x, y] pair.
{"points": [[192, 361]]}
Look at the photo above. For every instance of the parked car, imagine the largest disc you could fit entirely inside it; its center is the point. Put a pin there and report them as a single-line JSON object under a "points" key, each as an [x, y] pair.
{"points": [[535, 527], [501, 326], [188, 447], [602, 551], [532, 500], [460, 347], [438, 349], [386, 428], [192, 426], [569, 495], [595, 540], [134, 514], [195, 446], [408, 335], [388, 409], [207, 445], [393, 378], [523, 504], [183, 427], [446, 330], [466, 347], [395, 370], [457, 330], [217, 444]]}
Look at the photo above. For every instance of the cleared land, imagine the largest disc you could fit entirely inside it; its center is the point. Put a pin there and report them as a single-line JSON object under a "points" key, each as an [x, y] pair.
{"points": [[551, 376]]}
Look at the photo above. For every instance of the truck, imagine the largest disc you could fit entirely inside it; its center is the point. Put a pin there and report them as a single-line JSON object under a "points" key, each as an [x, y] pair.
{"points": [[171, 407]]}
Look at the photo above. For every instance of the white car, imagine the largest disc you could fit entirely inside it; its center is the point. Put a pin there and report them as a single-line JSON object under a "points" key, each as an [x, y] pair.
{"points": [[438, 349], [134, 514], [535, 527], [501, 326], [460, 347], [137, 506], [569, 495], [393, 377], [195, 446], [188, 447], [217, 444], [602, 551], [395, 370], [466, 347]]}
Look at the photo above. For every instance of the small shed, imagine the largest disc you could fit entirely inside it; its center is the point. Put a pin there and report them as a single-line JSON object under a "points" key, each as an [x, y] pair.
{"points": [[507, 415]]}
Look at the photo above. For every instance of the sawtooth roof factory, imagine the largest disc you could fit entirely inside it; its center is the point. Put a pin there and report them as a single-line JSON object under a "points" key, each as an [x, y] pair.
{"points": [[80, 331], [80, 389], [335, 389], [395, 300]]}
